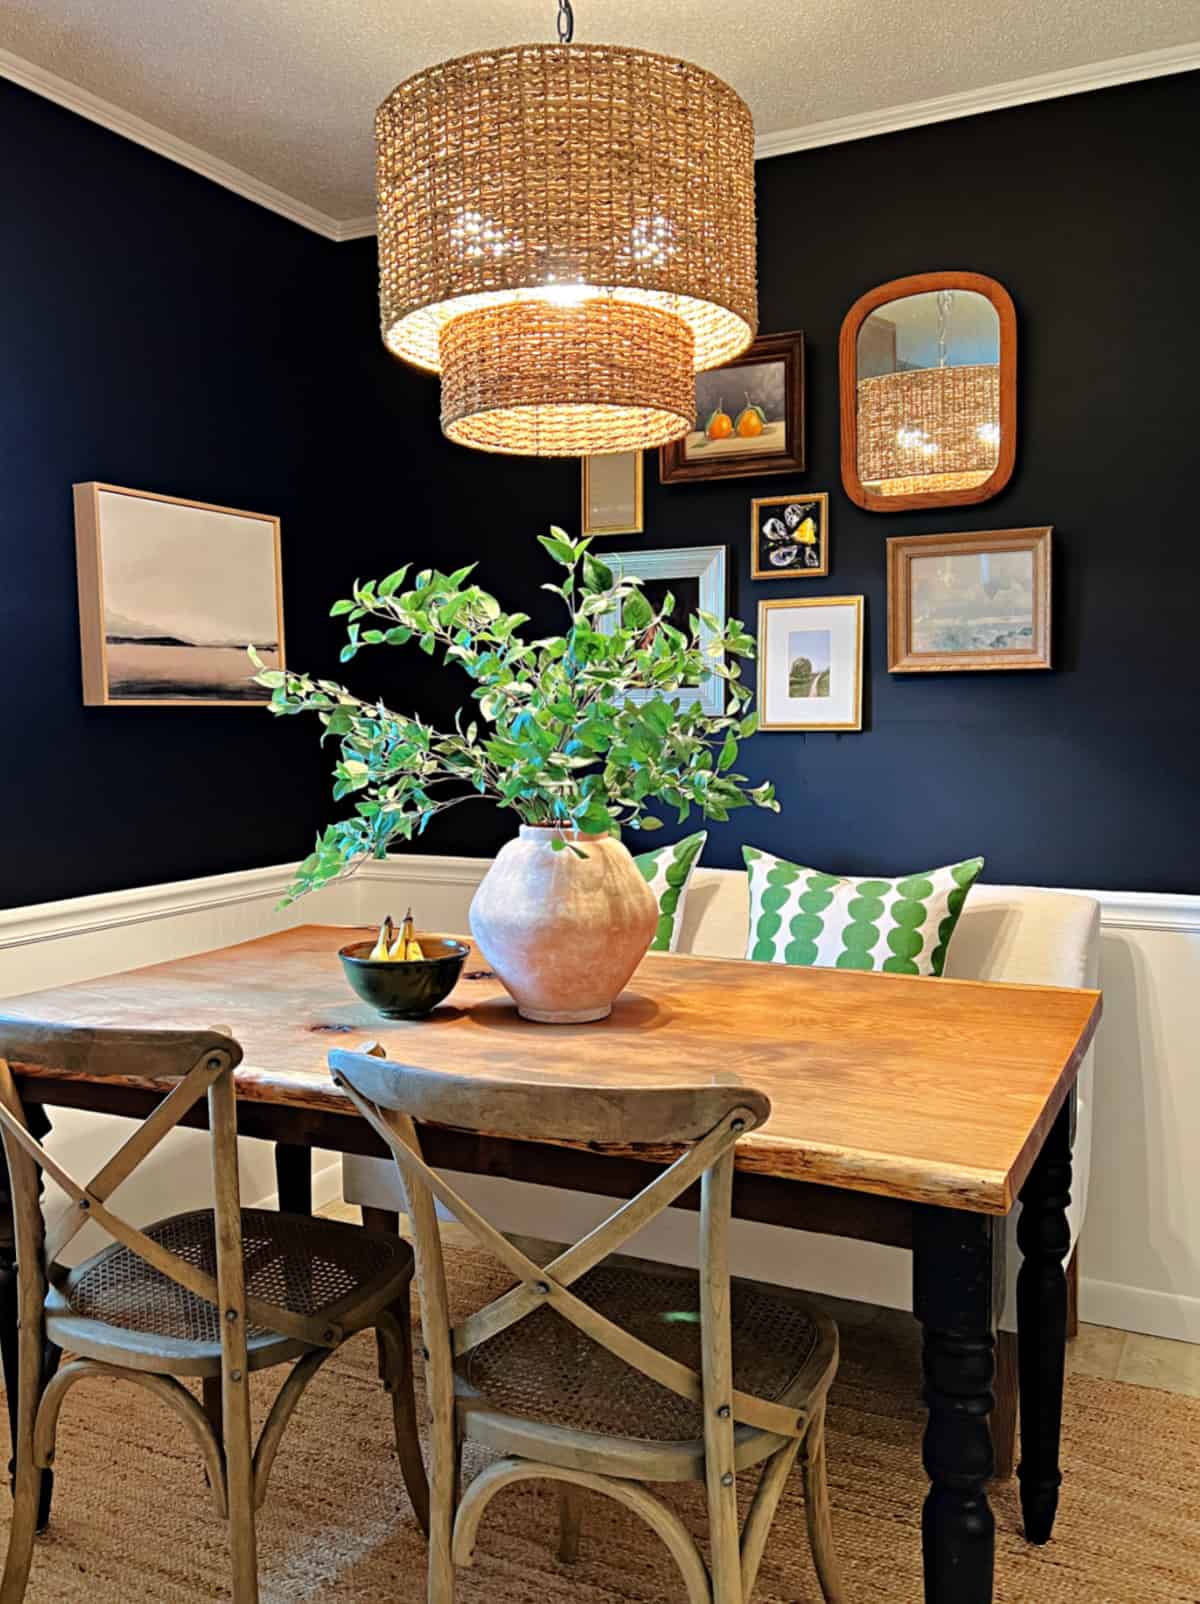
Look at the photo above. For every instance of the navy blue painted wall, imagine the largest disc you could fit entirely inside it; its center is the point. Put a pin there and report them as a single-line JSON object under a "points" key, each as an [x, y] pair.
{"points": [[160, 332], [1088, 210]]}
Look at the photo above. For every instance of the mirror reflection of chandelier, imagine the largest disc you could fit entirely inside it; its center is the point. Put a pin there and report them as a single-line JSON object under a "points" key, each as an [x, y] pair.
{"points": [[566, 234], [936, 428]]}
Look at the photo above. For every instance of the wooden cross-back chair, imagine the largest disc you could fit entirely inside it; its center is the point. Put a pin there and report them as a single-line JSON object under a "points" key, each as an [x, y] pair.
{"points": [[214, 1294], [604, 1375]]}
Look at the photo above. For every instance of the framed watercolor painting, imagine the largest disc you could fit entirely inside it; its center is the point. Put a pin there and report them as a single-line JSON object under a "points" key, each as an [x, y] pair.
{"points": [[969, 601], [749, 417], [171, 593], [695, 577], [789, 537], [612, 494], [810, 663]]}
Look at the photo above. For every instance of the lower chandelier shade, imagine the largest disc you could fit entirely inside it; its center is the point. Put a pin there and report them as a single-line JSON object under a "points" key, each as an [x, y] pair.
{"points": [[533, 378]]}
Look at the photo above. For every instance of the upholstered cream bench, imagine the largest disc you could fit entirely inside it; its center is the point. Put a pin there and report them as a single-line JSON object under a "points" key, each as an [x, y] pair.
{"points": [[1006, 933]]}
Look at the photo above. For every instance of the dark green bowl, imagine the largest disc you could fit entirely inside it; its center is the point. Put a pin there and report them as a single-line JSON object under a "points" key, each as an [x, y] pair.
{"points": [[405, 990]]}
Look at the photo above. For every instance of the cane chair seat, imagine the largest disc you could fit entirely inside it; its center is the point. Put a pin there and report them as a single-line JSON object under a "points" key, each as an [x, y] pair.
{"points": [[546, 1372], [118, 1308]]}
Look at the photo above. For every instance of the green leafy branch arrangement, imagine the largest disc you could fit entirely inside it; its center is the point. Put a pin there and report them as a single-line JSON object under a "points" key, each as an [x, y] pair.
{"points": [[555, 735]]}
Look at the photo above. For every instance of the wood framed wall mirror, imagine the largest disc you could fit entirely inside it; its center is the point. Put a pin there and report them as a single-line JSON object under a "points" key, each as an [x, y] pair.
{"points": [[929, 392]]}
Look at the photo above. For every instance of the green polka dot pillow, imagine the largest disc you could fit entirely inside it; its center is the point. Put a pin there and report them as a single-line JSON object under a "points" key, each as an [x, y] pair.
{"points": [[667, 872], [801, 916]]}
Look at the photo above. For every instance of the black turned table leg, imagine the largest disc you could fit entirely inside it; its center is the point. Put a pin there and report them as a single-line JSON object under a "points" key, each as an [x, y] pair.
{"points": [[957, 1270], [293, 1178], [1044, 1237]]}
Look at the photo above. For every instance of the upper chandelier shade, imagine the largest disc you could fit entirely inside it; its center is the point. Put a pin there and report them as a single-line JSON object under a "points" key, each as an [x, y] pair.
{"points": [[566, 232]]}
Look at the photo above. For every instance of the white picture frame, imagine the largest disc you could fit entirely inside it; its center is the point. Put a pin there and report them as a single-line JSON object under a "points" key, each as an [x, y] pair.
{"points": [[700, 570], [810, 663]]}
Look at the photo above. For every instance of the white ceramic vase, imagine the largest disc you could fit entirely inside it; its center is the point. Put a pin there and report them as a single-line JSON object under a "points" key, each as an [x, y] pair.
{"points": [[563, 933]]}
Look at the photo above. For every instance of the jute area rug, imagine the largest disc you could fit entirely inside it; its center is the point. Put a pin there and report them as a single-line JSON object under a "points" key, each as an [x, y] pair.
{"points": [[132, 1520]]}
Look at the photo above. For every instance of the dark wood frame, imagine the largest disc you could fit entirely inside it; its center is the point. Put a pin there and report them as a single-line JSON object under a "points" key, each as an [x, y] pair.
{"points": [[674, 469], [757, 570], [897, 289], [902, 659]]}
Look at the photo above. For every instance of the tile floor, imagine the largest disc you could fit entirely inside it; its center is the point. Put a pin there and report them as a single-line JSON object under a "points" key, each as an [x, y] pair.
{"points": [[1098, 1350]]}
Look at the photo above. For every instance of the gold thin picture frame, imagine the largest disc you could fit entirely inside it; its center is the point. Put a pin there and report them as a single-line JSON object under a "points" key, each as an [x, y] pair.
{"points": [[902, 549], [90, 578], [757, 569], [765, 608], [634, 527]]}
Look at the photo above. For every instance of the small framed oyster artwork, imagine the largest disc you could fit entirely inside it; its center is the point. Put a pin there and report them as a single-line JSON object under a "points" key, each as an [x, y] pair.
{"points": [[789, 536]]}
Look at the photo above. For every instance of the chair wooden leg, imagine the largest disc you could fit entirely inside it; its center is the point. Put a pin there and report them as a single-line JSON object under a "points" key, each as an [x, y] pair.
{"points": [[762, 1512], [816, 1511], [385, 1220], [394, 1335], [23, 1529], [1073, 1295], [570, 1520], [27, 1478], [1006, 1396]]}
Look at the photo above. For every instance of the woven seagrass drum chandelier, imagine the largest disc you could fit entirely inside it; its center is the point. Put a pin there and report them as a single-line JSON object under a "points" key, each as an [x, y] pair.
{"points": [[566, 235]]}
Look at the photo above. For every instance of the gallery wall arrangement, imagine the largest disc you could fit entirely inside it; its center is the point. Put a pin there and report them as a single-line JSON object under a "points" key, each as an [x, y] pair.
{"points": [[1079, 773]]}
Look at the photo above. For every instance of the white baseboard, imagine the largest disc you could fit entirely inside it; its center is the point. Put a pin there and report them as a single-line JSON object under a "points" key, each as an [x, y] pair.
{"points": [[1157, 1314]]}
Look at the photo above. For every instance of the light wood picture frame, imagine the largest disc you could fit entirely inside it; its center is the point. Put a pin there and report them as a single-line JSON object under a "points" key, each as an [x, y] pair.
{"points": [[611, 494], [789, 536], [969, 602], [810, 663], [696, 577], [171, 593], [750, 417]]}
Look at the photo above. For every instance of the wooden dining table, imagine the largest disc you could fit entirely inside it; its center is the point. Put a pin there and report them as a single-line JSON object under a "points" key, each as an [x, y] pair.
{"points": [[908, 1111]]}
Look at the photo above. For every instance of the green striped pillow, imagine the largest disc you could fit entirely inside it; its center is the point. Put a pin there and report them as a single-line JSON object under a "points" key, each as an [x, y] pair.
{"points": [[801, 916], [667, 871]]}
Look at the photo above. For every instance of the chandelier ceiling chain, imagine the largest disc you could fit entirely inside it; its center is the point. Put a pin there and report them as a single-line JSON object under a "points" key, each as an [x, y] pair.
{"points": [[566, 22]]}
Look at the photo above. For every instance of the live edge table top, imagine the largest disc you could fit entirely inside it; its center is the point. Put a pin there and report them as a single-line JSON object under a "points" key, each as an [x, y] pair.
{"points": [[935, 1091]]}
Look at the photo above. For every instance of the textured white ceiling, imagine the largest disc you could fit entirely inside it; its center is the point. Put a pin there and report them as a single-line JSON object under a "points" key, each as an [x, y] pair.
{"points": [[286, 89]]}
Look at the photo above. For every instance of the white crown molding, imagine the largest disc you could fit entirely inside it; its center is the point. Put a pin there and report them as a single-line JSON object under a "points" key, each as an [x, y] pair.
{"points": [[356, 228], [993, 97], [835, 131], [51, 87]]}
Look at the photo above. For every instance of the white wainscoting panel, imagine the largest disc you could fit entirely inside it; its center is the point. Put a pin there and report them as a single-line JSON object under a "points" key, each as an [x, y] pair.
{"points": [[1140, 1252], [84, 938], [1140, 1249]]}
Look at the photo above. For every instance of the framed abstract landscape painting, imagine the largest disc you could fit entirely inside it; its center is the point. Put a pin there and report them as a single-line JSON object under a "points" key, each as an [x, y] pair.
{"points": [[969, 601], [171, 593]]}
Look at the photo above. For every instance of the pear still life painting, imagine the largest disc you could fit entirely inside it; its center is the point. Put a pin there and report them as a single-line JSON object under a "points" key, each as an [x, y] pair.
{"points": [[171, 593]]}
